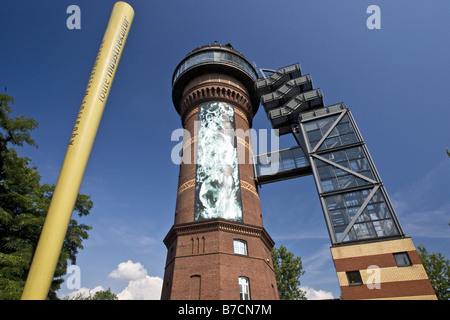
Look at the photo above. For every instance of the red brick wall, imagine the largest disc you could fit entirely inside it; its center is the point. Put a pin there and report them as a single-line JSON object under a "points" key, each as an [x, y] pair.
{"points": [[210, 255], [204, 249]]}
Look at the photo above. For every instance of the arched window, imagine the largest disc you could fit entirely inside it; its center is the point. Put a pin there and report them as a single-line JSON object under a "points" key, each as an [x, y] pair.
{"points": [[244, 288]]}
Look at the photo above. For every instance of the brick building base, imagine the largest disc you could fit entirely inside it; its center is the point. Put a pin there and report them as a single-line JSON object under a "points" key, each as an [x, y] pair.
{"points": [[201, 263], [381, 277]]}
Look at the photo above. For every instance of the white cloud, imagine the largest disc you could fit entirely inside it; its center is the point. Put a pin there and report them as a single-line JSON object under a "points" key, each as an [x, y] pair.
{"points": [[140, 286], [146, 288], [129, 271], [313, 294]]}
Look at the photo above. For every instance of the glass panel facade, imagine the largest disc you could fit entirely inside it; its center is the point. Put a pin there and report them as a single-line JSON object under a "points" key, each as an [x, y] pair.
{"points": [[281, 161], [374, 221], [343, 134], [216, 56], [333, 178], [344, 191], [316, 129], [217, 189]]}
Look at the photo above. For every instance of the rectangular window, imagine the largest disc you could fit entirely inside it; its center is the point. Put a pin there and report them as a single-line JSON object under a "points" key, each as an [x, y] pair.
{"points": [[354, 278], [240, 247], [402, 259]]}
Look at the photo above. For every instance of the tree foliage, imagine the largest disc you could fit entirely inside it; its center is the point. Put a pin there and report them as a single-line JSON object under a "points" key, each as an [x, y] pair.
{"points": [[24, 202], [288, 270], [438, 271], [99, 295]]}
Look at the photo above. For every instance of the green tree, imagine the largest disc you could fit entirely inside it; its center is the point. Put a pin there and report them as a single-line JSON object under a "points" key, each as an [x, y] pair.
{"points": [[438, 271], [288, 270], [23, 206], [99, 295]]}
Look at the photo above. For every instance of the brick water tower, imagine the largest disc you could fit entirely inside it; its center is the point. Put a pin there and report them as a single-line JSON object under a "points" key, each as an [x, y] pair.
{"points": [[218, 247]]}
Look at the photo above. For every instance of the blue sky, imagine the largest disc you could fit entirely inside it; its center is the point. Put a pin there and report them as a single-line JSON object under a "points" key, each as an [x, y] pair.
{"points": [[394, 80]]}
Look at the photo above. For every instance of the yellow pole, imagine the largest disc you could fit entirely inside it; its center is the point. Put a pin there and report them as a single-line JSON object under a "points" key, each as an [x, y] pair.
{"points": [[80, 145]]}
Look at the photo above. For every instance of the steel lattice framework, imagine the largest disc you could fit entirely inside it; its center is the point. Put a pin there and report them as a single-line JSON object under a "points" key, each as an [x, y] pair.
{"points": [[355, 204]]}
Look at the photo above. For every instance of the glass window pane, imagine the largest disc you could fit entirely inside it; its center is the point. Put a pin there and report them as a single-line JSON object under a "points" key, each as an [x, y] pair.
{"points": [[374, 221], [298, 153], [378, 211], [338, 230], [244, 290], [364, 230], [328, 185], [355, 153], [346, 182], [351, 212], [353, 198], [402, 259], [288, 164], [339, 172], [344, 128], [336, 156], [325, 172], [285, 154], [309, 126], [354, 278], [359, 165], [368, 174], [240, 247], [348, 138], [314, 136], [333, 133], [338, 217], [335, 202], [378, 197], [386, 228], [301, 162], [325, 124], [320, 163], [329, 143]]}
